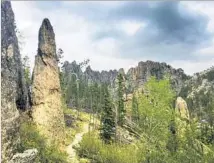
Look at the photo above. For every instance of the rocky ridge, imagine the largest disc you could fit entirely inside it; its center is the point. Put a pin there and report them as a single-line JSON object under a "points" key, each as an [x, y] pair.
{"points": [[198, 91], [135, 77]]}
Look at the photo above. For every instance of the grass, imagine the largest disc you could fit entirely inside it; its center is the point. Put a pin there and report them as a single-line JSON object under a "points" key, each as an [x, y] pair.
{"points": [[30, 138], [76, 124], [94, 149]]}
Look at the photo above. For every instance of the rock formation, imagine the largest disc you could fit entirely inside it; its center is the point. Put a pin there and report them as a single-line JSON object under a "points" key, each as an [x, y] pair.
{"points": [[29, 156], [198, 91], [181, 108], [13, 88], [11, 58], [100, 77], [182, 118], [135, 77], [46, 93], [139, 75]]}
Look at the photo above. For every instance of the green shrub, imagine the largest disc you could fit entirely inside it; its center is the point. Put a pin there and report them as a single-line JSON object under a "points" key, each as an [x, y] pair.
{"points": [[210, 75], [99, 152], [30, 138]]}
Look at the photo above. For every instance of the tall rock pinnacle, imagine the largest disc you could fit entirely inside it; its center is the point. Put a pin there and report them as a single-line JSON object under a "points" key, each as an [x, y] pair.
{"points": [[47, 45], [46, 93]]}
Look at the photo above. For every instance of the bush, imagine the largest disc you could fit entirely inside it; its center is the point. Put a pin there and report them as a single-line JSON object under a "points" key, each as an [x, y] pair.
{"points": [[99, 152], [30, 138]]}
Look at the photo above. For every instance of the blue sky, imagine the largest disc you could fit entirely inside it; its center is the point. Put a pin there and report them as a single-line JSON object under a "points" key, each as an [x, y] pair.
{"points": [[120, 34]]}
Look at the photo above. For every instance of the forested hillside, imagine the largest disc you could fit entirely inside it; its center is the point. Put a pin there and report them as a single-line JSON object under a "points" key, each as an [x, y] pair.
{"points": [[146, 125], [133, 79], [69, 113], [199, 92]]}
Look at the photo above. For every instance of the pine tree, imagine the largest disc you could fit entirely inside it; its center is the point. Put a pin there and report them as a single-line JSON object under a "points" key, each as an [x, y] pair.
{"points": [[101, 97], [107, 130], [71, 93], [95, 99], [135, 111], [121, 108]]}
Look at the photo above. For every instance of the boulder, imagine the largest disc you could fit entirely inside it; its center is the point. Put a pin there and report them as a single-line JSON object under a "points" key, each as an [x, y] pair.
{"points": [[28, 156]]}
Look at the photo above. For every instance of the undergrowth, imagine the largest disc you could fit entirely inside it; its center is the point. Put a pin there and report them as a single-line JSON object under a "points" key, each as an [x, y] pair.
{"points": [[30, 138], [98, 152]]}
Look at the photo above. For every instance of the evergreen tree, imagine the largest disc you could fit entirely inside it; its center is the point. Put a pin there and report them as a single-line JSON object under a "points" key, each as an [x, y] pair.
{"points": [[71, 92], [95, 95], [101, 97], [121, 108], [107, 130], [135, 111]]}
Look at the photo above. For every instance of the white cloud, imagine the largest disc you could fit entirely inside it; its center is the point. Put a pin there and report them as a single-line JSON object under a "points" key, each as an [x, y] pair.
{"points": [[193, 66], [74, 35], [205, 7], [208, 51], [131, 27]]}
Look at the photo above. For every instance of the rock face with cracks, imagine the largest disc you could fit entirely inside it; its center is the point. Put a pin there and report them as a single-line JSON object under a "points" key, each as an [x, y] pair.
{"points": [[46, 93], [13, 88]]}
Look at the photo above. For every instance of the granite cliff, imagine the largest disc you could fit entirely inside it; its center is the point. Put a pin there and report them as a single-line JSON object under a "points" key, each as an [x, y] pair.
{"points": [[13, 88]]}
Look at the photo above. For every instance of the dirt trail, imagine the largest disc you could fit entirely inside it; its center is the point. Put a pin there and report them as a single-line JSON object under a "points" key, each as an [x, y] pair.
{"points": [[78, 137]]}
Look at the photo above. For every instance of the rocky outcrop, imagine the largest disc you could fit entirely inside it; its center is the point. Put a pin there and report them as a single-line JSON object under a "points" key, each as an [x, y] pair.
{"points": [[29, 156], [182, 118], [107, 77], [88, 75], [198, 91], [181, 108], [11, 57], [46, 93], [139, 75], [13, 88], [68, 69], [135, 77]]}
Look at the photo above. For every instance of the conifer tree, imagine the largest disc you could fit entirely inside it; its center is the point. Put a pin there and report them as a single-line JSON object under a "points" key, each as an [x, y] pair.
{"points": [[107, 130], [135, 111], [121, 108]]}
